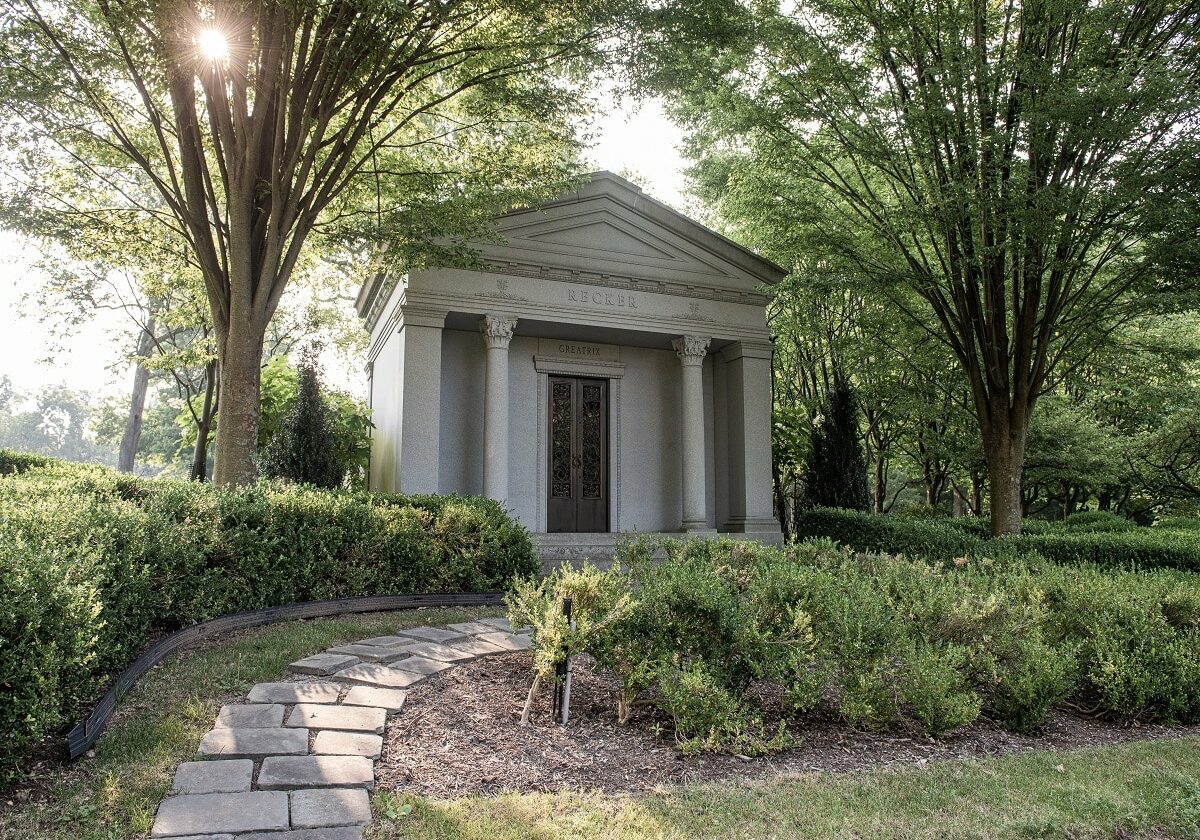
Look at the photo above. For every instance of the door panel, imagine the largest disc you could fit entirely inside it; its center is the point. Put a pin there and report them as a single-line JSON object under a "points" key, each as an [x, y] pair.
{"points": [[578, 444]]}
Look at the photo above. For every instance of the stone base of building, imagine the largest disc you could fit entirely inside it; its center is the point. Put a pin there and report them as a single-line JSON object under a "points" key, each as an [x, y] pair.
{"points": [[760, 530], [555, 549]]}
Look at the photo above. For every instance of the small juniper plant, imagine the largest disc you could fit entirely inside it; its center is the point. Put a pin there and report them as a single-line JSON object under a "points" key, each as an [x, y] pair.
{"points": [[599, 599], [305, 448]]}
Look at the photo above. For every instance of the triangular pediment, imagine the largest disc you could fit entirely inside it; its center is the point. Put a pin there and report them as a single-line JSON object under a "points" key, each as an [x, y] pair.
{"points": [[610, 228], [601, 234]]}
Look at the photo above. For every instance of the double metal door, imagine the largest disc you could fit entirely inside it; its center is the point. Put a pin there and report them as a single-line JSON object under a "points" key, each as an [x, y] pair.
{"points": [[578, 438]]}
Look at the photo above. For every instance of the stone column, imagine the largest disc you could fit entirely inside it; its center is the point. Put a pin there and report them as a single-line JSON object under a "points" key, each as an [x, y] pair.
{"points": [[420, 408], [497, 333], [748, 378], [691, 350]]}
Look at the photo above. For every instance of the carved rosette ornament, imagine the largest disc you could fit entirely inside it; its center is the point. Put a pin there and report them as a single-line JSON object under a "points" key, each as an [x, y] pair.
{"points": [[497, 331], [691, 349]]}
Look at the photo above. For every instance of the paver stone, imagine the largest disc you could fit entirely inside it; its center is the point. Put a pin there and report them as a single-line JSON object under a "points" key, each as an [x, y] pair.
{"points": [[253, 743], [433, 650], [322, 808], [260, 810], [232, 776], [479, 647], [354, 718], [331, 742], [390, 699], [322, 664], [472, 627], [420, 665], [434, 634], [251, 716], [368, 673], [508, 641], [295, 692], [286, 772]]}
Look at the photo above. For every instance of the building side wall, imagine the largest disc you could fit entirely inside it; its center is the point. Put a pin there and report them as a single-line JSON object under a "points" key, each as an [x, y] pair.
{"points": [[461, 458], [387, 396]]}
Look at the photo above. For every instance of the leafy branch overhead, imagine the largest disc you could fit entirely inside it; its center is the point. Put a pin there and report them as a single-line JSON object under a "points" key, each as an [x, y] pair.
{"points": [[249, 134], [1016, 178]]}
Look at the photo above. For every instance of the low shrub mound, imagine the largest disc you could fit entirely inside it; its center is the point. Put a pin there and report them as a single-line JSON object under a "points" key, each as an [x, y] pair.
{"points": [[883, 641], [1095, 537], [913, 536], [92, 562]]}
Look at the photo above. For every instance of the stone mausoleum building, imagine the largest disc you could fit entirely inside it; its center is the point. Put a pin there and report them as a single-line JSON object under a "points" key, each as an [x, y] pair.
{"points": [[608, 370]]}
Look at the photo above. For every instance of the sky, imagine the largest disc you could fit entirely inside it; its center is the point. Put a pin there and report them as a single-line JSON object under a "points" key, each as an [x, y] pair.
{"points": [[638, 141]]}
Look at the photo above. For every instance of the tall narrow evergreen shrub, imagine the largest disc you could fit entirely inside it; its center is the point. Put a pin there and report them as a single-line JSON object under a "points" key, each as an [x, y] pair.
{"points": [[305, 448], [835, 472]]}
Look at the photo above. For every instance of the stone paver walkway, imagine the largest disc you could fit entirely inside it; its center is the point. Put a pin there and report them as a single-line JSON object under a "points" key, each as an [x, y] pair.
{"points": [[297, 760]]}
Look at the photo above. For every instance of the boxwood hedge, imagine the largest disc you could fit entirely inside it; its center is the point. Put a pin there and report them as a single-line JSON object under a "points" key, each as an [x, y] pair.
{"points": [[92, 562], [1102, 540]]}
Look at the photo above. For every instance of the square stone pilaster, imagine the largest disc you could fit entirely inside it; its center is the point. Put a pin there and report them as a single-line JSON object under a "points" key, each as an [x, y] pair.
{"points": [[748, 389]]}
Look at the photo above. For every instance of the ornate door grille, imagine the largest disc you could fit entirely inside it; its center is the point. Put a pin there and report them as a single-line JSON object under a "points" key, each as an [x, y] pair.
{"points": [[578, 438]]}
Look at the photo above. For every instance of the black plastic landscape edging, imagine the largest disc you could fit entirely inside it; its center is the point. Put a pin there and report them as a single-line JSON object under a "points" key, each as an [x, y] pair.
{"points": [[88, 731]]}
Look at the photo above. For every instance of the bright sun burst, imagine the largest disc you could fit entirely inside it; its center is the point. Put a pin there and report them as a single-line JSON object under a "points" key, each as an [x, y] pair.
{"points": [[213, 45]]}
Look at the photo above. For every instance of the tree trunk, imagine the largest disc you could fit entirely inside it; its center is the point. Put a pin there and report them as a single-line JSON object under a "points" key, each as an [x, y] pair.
{"points": [[780, 502], [1004, 450], [239, 374], [204, 427], [880, 483], [137, 402], [958, 502]]}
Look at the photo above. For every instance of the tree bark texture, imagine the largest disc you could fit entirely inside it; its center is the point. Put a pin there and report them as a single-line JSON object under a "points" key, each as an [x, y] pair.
{"points": [[204, 426], [239, 372], [137, 402]]}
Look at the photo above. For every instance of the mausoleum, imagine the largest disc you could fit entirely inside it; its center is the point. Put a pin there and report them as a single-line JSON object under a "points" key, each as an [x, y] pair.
{"points": [[606, 369]]}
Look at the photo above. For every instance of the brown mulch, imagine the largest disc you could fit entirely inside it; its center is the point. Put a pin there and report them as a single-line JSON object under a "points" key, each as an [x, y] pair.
{"points": [[460, 734]]}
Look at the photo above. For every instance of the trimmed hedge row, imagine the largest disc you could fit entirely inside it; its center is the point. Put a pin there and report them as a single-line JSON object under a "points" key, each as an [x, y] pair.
{"points": [[92, 562], [878, 640], [1086, 539]]}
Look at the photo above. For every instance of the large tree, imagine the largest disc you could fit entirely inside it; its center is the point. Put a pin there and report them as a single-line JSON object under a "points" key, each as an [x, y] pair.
{"points": [[257, 125], [1014, 164]]}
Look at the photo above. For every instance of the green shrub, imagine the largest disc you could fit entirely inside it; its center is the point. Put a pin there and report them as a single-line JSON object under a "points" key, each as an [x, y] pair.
{"points": [[1030, 682], [19, 462], [879, 639], [1178, 523], [1093, 537], [304, 449], [934, 684], [48, 636], [157, 555], [1144, 548], [1097, 520], [709, 717], [933, 539], [1137, 644]]}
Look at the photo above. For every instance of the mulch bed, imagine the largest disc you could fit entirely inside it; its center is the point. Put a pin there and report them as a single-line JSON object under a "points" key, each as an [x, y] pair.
{"points": [[460, 734]]}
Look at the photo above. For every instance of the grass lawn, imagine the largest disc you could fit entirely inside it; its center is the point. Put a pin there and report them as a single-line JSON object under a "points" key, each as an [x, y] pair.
{"points": [[1149, 789]]}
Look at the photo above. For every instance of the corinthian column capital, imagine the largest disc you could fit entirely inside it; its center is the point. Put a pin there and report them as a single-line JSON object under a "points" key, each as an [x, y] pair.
{"points": [[691, 349], [497, 331]]}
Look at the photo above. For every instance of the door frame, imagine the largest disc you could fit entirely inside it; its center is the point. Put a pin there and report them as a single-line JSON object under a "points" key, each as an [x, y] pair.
{"points": [[547, 366]]}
